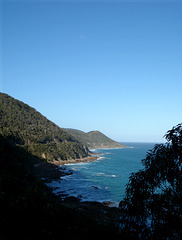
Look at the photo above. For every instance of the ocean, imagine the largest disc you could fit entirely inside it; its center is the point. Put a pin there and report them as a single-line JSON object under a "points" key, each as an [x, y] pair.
{"points": [[104, 179]]}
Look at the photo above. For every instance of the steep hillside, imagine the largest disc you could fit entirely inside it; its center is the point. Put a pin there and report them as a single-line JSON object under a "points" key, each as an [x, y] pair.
{"points": [[29, 210], [94, 139], [26, 127]]}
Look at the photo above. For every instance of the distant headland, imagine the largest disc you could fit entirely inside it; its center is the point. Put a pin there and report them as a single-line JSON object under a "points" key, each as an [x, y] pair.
{"points": [[94, 139]]}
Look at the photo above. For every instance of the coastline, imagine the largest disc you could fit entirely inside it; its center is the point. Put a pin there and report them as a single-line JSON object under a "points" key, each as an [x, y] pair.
{"points": [[78, 160], [50, 171], [107, 148]]}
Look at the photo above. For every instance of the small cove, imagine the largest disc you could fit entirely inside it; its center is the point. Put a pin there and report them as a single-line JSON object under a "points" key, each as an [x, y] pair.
{"points": [[104, 179]]}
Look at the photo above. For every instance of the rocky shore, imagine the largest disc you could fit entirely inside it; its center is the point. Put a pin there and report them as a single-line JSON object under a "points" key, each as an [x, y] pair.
{"points": [[90, 158], [105, 211], [49, 171], [53, 171]]}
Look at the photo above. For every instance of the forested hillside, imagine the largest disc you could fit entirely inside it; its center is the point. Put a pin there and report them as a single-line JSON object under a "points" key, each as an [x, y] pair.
{"points": [[29, 210], [94, 139], [26, 127]]}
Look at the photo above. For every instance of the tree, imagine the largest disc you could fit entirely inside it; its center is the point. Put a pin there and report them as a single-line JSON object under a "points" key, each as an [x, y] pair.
{"points": [[153, 195]]}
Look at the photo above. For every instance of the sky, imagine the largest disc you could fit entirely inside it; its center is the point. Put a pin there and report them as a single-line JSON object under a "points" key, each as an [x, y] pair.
{"points": [[113, 66]]}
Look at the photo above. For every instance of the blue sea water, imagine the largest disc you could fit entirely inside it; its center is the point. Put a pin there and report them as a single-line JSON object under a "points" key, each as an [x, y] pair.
{"points": [[104, 179]]}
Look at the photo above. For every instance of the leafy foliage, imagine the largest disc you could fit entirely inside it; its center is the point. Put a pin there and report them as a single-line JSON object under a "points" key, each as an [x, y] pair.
{"points": [[26, 127], [153, 195]]}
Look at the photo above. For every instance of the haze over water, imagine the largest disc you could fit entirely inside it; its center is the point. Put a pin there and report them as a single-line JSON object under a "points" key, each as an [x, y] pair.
{"points": [[104, 179]]}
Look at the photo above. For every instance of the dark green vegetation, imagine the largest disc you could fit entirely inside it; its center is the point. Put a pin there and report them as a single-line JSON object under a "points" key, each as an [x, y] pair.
{"points": [[152, 208], [94, 139], [28, 209], [29, 129]]}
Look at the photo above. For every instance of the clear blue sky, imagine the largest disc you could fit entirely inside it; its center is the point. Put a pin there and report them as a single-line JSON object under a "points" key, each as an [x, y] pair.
{"points": [[113, 66]]}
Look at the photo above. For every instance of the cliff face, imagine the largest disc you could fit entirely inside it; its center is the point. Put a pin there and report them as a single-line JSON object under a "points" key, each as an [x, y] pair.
{"points": [[94, 139], [23, 126]]}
